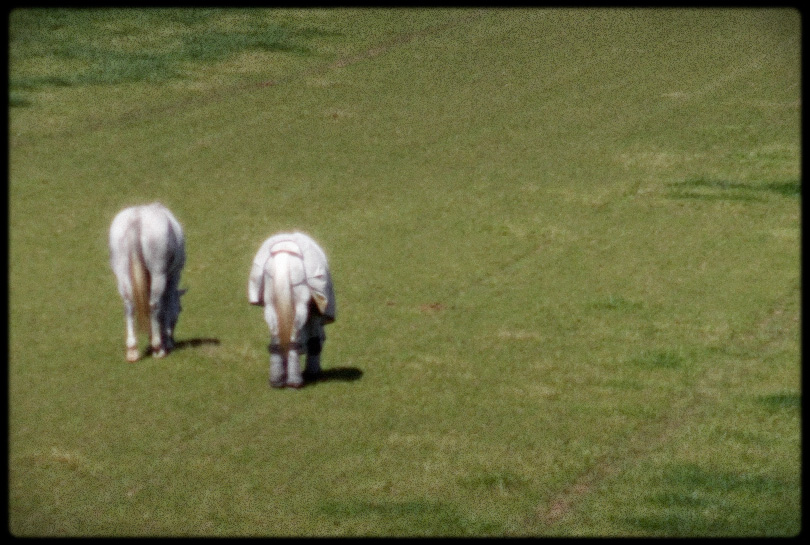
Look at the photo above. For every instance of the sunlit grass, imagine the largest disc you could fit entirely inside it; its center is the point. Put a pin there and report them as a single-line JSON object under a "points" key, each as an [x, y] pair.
{"points": [[565, 248]]}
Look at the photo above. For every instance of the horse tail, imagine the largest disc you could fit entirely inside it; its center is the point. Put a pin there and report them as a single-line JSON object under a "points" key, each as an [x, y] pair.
{"points": [[139, 276], [283, 300]]}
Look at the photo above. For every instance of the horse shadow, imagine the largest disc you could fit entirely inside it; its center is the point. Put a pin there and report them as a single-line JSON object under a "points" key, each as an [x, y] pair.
{"points": [[334, 374], [194, 343]]}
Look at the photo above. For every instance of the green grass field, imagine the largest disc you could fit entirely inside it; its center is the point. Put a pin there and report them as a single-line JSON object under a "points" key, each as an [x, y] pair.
{"points": [[565, 246]]}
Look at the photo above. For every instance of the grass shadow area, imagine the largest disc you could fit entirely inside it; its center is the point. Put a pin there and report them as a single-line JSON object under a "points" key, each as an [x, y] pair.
{"points": [[659, 359], [335, 374], [700, 501], [410, 518], [68, 48], [713, 190], [782, 401], [185, 344], [194, 343]]}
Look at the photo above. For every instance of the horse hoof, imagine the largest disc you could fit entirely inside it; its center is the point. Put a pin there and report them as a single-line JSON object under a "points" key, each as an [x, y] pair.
{"points": [[158, 353], [132, 354], [277, 384]]}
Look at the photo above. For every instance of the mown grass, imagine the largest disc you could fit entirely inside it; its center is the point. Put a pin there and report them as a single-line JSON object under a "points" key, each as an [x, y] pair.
{"points": [[565, 246], [68, 47]]}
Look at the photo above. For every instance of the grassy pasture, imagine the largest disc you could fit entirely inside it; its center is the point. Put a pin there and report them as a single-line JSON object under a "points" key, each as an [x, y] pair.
{"points": [[565, 246]]}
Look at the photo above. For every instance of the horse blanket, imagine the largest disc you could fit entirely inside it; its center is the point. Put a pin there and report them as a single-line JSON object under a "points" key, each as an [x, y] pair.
{"points": [[316, 267]]}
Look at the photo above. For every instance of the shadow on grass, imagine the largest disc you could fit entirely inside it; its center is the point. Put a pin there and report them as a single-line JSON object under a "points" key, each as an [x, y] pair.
{"points": [[713, 190], [697, 501], [782, 401], [193, 343], [335, 374], [659, 359], [409, 518], [164, 44]]}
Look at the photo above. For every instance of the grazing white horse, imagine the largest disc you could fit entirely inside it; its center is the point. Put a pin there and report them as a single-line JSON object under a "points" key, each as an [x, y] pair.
{"points": [[290, 277], [147, 254]]}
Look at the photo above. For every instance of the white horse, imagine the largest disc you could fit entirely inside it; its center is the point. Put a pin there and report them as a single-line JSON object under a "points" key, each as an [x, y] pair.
{"points": [[147, 254], [290, 277]]}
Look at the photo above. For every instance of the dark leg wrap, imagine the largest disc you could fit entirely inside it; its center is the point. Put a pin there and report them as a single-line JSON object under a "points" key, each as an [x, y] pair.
{"points": [[314, 346], [276, 348]]}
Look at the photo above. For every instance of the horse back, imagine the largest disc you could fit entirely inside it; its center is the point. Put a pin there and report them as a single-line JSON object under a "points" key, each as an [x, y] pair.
{"points": [[150, 231], [162, 239]]}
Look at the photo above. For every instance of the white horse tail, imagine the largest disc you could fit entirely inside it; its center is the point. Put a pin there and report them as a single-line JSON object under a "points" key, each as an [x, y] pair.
{"points": [[139, 275], [283, 300]]}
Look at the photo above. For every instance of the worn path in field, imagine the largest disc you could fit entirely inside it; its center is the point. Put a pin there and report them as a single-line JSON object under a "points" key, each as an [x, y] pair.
{"points": [[654, 434], [383, 47]]}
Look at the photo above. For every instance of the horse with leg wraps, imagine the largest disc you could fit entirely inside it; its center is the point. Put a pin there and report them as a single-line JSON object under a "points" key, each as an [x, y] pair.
{"points": [[147, 255], [290, 277]]}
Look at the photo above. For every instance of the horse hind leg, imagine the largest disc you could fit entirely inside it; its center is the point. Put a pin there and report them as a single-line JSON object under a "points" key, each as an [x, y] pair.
{"points": [[155, 335], [313, 370], [278, 371], [295, 378], [166, 329], [171, 310], [132, 340], [278, 368], [156, 316], [314, 335]]}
